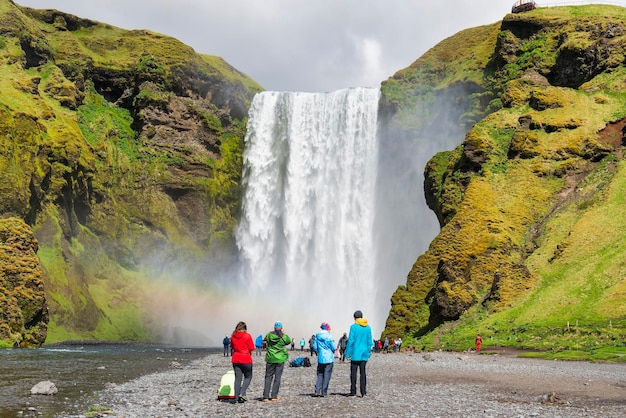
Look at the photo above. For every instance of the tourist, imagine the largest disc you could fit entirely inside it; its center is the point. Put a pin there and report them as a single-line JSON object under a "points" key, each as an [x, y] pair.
{"points": [[277, 354], [324, 346], [258, 343], [302, 344], [226, 343], [479, 342], [311, 343], [358, 351], [343, 341], [242, 346]]}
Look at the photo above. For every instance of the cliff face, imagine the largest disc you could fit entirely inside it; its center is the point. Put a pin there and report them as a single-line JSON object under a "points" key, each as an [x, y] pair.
{"points": [[122, 151], [23, 309], [529, 203]]}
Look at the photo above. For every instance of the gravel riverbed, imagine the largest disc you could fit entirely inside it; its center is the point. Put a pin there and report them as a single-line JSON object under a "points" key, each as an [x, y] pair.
{"points": [[438, 384]]}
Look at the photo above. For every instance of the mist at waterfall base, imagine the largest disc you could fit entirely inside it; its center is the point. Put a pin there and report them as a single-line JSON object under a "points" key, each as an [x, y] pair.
{"points": [[333, 218]]}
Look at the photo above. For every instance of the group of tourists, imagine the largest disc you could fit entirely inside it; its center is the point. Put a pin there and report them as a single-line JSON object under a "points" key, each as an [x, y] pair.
{"points": [[356, 347], [381, 346]]}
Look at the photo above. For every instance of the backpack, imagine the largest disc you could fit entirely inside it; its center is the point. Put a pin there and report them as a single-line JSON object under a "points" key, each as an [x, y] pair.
{"points": [[227, 386], [297, 362], [306, 362]]}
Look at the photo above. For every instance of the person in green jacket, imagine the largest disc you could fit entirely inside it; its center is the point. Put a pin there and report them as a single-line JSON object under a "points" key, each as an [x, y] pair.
{"points": [[277, 354]]}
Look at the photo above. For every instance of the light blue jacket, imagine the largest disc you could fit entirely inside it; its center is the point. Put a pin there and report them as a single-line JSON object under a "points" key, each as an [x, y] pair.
{"points": [[360, 341], [324, 345]]}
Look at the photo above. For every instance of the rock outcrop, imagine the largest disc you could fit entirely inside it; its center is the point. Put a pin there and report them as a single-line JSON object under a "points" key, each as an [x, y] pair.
{"points": [[122, 151], [23, 308], [524, 200]]}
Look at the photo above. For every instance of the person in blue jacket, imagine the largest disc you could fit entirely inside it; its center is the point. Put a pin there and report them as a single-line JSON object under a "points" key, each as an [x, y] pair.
{"points": [[324, 345], [258, 344], [358, 351]]}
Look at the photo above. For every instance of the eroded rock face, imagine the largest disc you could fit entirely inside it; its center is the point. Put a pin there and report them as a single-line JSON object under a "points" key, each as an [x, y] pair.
{"points": [[23, 308], [543, 101]]}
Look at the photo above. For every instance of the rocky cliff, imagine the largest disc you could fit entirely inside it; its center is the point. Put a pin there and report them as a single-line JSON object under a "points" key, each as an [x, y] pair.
{"points": [[122, 151], [531, 248], [23, 308]]}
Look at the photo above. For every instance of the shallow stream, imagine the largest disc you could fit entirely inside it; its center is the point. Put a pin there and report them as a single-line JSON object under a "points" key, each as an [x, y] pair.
{"points": [[78, 369]]}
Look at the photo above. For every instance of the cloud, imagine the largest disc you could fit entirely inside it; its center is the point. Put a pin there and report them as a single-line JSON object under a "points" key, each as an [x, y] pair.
{"points": [[307, 45]]}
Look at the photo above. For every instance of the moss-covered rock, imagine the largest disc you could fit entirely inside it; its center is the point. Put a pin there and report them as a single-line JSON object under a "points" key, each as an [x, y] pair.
{"points": [[23, 308], [122, 150], [551, 124]]}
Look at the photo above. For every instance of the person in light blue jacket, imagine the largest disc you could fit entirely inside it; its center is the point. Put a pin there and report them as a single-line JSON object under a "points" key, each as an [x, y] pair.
{"points": [[324, 345], [358, 351]]}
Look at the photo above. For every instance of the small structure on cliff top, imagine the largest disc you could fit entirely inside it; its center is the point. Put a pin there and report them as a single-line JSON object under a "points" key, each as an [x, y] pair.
{"points": [[523, 6]]}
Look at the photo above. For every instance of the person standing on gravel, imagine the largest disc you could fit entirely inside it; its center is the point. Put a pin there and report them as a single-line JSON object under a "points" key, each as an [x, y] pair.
{"points": [[324, 345], [242, 346], [226, 343], [275, 359], [358, 351], [258, 343], [343, 341]]}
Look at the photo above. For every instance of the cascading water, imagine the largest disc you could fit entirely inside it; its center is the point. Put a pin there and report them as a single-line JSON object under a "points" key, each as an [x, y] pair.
{"points": [[306, 236]]}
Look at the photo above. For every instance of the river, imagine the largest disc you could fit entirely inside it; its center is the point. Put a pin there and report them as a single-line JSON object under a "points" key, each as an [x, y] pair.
{"points": [[78, 369]]}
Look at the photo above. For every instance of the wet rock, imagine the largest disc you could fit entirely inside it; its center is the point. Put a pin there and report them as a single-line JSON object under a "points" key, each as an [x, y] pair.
{"points": [[44, 388]]}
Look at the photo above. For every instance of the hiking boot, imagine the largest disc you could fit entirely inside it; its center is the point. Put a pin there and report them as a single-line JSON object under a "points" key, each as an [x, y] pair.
{"points": [[351, 394], [265, 400], [275, 399], [242, 399]]}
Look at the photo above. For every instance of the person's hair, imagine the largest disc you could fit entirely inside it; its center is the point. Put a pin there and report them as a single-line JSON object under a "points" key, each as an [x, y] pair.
{"points": [[241, 326]]}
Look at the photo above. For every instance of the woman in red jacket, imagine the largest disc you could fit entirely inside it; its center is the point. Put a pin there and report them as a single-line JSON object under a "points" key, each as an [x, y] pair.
{"points": [[243, 346]]}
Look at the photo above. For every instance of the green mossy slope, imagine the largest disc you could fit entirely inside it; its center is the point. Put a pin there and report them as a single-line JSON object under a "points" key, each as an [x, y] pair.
{"points": [[531, 249], [122, 150]]}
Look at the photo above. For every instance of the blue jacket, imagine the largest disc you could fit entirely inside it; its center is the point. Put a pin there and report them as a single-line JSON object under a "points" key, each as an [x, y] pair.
{"points": [[324, 345], [360, 341]]}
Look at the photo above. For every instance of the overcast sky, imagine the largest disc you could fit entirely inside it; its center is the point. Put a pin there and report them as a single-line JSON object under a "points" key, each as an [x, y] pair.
{"points": [[298, 45]]}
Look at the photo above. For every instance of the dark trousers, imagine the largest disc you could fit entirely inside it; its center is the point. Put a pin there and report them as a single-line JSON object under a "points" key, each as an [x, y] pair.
{"points": [[273, 374], [324, 373], [360, 366], [242, 372]]}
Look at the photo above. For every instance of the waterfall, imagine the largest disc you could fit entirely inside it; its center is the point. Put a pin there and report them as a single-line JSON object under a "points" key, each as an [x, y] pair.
{"points": [[306, 234]]}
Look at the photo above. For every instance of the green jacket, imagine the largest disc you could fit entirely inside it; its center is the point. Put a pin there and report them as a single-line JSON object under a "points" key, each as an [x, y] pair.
{"points": [[277, 347]]}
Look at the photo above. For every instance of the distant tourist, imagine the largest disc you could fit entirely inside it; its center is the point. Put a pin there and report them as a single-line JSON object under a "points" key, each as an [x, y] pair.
{"points": [[243, 346], [302, 344], [277, 354], [258, 343], [226, 343], [324, 346], [343, 341], [311, 343], [479, 342], [358, 351], [386, 345], [293, 345]]}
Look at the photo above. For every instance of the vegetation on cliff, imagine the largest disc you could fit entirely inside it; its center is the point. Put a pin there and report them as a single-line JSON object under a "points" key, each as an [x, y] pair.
{"points": [[122, 151], [23, 309], [532, 242]]}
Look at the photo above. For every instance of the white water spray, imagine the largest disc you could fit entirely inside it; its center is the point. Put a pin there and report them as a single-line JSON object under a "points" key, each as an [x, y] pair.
{"points": [[306, 232]]}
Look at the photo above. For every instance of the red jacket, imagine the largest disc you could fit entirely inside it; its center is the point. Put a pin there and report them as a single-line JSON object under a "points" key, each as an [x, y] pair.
{"points": [[243, 346]]}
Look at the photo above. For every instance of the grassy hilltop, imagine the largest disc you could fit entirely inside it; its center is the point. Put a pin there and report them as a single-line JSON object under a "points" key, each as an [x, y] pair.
{"points": [[121, 150], [532, 248]]}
